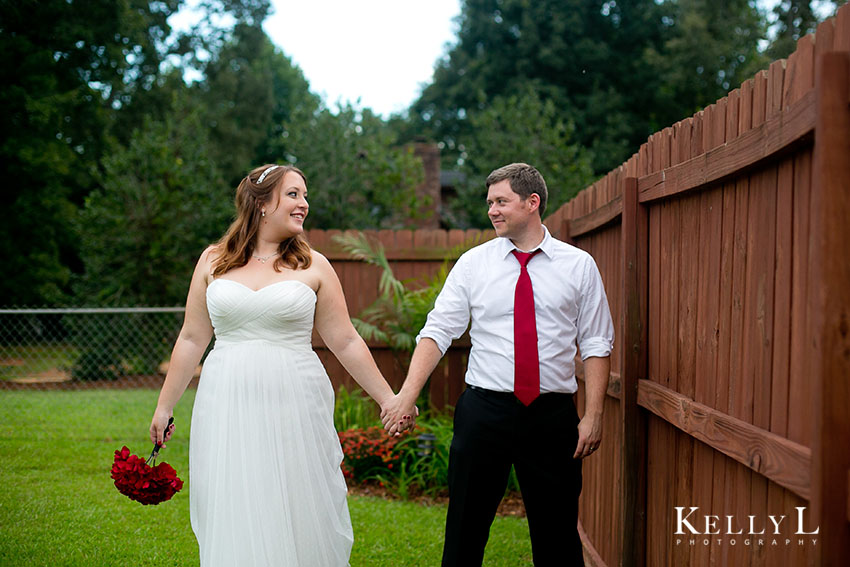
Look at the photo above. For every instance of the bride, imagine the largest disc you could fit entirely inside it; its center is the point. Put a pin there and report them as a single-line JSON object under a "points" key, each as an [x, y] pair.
{"points": [[265, 483]]}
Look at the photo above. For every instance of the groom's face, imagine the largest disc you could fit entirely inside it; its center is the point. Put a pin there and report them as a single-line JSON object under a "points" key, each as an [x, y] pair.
{"points": [[509, 213]]}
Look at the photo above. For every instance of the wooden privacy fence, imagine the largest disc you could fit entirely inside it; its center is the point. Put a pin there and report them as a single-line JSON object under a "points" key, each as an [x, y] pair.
{"points": [[723, 244]]}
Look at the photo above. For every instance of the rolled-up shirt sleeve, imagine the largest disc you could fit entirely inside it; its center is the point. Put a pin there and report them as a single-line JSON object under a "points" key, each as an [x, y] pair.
{"points": [[450, 316], [595, 326]]}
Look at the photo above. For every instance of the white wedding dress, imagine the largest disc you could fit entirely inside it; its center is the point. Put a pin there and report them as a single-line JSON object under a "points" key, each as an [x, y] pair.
{"points": [[264, 459]]}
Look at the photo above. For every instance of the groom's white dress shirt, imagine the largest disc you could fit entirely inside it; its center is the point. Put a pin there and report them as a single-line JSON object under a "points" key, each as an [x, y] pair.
{"points": [[570, 306]]}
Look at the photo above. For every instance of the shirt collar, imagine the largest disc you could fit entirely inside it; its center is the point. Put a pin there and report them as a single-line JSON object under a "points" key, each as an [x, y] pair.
{"points": [[545, 246]]}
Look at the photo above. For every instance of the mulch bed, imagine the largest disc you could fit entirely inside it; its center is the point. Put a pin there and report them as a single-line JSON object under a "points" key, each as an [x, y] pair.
{"points": [[511, 504]]}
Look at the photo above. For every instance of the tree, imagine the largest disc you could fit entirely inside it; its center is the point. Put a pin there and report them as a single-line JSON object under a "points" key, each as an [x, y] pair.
{"points": [[250, 92], [159, 202], [794, 19], [583, 56], [77, 79], [519, 128], [358, 177], [618, 71], [64, 68], [710, 48]]}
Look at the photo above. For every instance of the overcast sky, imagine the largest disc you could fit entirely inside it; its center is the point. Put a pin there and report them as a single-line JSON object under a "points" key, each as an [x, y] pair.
{"points": [[377, 51]]}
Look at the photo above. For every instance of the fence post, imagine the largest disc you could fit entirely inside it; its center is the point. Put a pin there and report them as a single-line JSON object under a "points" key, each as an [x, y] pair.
{"points": [[565, 232], [829, 301], [635, 241]]}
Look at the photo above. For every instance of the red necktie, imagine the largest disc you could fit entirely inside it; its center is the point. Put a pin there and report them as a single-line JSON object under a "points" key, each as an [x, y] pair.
{"points": [[526, 360]]}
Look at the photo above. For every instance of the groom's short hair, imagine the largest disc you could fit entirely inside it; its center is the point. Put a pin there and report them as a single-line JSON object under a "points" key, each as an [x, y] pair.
{"points": [[524, 179]]}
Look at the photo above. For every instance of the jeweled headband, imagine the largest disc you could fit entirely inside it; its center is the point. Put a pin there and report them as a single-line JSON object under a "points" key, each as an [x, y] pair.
{"points": [[266, 172]]}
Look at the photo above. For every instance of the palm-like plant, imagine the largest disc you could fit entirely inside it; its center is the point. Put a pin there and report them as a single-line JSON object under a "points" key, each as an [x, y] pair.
{"points": [[402, 306]]}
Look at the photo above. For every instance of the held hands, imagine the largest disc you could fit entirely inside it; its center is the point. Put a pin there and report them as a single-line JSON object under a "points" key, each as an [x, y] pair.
{"points": [[160, 431], [398, 415], [589, 435]]}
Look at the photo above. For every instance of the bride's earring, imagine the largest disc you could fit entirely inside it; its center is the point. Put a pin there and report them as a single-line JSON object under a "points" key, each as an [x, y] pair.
{"points": [[263, 212]]}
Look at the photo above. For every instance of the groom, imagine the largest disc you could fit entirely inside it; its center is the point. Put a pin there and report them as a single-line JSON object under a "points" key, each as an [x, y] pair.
{"points": [[532, 301]]}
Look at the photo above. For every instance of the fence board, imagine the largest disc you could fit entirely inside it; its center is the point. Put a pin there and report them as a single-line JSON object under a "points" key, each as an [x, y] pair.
{"points": [[842, 29], [634, 316], [597, 219], [658, 502], [800, 71], [799, 389], [769, 139], [691, 144], [739, 479], [824, 37], [737, 405], [783, 461], [775, 78], [829, 304], [782, 299]]}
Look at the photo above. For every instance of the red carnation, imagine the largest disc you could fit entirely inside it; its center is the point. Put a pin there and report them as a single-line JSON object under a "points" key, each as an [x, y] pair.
{"points": [[139, 481]]}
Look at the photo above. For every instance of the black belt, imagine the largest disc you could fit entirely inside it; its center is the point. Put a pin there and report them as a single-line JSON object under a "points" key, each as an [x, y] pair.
{"points": [[493, 393], [506, 395]]}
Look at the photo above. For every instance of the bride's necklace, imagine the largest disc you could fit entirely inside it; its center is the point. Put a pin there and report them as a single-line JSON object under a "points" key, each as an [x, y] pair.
{"points": [[263, 259]]}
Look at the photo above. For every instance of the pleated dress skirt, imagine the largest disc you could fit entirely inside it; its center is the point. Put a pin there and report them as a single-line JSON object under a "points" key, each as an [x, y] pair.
{"points": [[266, 488]]}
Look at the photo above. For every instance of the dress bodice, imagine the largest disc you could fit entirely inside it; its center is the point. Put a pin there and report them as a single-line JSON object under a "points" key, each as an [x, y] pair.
{"points": [[280, 313]]}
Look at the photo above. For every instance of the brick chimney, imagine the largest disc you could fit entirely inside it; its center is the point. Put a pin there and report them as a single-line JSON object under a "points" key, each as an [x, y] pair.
{"points": [[430, 187]]}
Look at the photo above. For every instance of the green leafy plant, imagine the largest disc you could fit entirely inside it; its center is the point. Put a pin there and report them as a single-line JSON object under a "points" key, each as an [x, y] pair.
{"points": [[402, 306], [402, 483], [401, 309], [426, 453], [354, 409]]}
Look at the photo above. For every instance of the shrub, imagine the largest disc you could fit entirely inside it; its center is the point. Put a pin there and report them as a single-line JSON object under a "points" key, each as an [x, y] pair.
{"points": [[415, 463], [425, 457], [368, 453]]}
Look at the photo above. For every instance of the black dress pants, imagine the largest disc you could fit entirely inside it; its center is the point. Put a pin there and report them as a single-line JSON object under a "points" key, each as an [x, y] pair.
{"points": [[492, 431]]}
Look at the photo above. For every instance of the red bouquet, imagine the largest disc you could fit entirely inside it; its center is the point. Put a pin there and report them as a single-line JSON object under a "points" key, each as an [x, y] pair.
{"points": [[135, 478]]}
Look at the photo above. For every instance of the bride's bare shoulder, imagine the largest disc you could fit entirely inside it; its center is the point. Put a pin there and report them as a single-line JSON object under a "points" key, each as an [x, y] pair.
{"points": [[321, 264], [319, 257], [323, 271], [210, 254], [206, 263]]}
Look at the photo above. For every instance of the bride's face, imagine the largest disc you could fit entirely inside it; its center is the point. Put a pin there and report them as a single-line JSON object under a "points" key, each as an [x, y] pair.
{"points": [[288, 207]]}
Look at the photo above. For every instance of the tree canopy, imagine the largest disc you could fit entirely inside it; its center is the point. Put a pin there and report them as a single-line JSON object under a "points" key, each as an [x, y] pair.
{"points": [[64, 70], [122, 140], [618, 70], [119, 166], [519, 127]]}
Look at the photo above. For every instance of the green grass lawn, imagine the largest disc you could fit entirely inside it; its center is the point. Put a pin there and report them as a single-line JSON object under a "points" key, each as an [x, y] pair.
{"points": [[58, 505]]}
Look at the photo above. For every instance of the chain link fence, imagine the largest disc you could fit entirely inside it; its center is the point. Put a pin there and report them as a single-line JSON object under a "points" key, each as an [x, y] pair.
{"points": [[75, 349]]}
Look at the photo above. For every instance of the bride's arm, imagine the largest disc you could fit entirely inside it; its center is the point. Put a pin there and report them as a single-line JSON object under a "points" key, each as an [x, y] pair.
{"points": [[194, 337], [334, 326]]}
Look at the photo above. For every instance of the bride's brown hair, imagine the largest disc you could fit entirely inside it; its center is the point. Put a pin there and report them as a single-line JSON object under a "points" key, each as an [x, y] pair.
{"points": [[236, 246]]}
